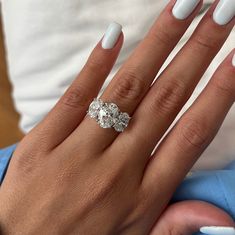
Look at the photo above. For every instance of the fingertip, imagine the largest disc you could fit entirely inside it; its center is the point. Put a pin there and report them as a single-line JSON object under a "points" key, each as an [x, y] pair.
{"points": [[177, 19], [111, 36], [231, 57], [216, 230], [228, 64], [184, 10], [188, 217], [111, 51], [106, 56]]}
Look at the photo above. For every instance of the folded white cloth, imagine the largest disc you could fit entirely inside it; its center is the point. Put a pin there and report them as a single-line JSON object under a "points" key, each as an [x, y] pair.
{"points": [[48, 42]]}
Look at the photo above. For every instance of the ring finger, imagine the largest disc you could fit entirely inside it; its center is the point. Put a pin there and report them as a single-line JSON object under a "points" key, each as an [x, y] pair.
{"points": [[133, 80]]}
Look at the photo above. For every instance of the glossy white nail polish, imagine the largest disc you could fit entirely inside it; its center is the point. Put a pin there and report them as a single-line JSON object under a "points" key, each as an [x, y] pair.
{"points": [[224, 12], [233, 61], [184, 8], [111, 35], [216, 230]]}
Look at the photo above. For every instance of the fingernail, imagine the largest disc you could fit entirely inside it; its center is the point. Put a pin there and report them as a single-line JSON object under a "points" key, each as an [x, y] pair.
{"points": [[216, 230], [224, 12], [111, 35], [184, 8], [233, 61]]}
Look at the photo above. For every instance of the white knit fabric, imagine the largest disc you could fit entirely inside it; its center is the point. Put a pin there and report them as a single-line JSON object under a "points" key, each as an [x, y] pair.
{"points": [[48, 42]]}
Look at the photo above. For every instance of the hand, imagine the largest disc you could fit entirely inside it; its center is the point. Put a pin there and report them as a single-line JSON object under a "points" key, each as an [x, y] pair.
{"points": [[188, 217], [70, 176]]}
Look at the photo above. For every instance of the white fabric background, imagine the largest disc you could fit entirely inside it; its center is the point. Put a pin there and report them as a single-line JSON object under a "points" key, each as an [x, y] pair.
{"points": [[48, 41]]}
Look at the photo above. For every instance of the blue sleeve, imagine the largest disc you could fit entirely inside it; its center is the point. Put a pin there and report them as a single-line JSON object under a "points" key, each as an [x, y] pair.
{"points": [[216, 187], [5, 157]]}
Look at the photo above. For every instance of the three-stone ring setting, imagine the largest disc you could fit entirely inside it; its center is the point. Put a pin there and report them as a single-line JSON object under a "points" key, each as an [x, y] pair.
{"points": [[108, 115]]}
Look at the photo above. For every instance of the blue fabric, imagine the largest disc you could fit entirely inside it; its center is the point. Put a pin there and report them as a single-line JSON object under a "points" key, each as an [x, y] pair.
{"points": [[216, 187], [5, 156]]}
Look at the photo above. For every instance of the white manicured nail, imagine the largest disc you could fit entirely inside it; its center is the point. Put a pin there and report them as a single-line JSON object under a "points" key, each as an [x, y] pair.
{"points": [[233, 61], [111, 35], [184, 8], [216, 230], [224, 12]]}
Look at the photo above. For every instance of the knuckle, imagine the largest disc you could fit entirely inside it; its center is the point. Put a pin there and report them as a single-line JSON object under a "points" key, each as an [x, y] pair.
{"points": [[168, 98], [75, 97], [27, 161], [130, 87], [95, 65], [194, 134], [224, 86], [26, 165], [161, 35], [206, 42]]}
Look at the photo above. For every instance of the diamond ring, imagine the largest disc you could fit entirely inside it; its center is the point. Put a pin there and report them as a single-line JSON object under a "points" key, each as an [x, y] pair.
{"points": [[108, 115]]}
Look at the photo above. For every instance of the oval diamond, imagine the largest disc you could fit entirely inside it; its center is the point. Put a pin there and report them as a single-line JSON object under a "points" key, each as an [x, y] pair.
{"points": [[107, 115], [122, 122]]}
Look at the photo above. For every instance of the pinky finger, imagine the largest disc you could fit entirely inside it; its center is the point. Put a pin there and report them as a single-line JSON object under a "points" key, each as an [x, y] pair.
{"points": [[194, 131]]}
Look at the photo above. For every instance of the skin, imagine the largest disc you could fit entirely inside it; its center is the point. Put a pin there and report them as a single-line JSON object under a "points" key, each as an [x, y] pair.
{"points": [[188, 216], [69, 176]]}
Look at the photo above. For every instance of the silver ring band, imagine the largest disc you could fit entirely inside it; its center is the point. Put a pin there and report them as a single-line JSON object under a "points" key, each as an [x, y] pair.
{"points": [[108, 115]]}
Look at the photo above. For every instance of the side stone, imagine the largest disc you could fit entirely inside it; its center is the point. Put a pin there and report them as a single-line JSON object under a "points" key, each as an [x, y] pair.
{"points": [[122, 122]]}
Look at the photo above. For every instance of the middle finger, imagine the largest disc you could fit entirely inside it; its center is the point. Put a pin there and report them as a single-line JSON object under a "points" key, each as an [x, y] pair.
{"points": [[133, 80], [176, 84]]}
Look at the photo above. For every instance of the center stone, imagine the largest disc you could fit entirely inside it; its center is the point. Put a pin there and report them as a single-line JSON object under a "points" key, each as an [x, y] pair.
{"points": [[107, 115]]}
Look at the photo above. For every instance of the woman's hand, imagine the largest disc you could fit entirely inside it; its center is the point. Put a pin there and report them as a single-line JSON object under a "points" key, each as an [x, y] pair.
{"points": [[187, 217], [70, 176]]}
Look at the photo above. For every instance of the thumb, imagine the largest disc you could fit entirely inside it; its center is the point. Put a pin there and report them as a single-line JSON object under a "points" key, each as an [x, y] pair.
{"points": [[188, 217]]}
